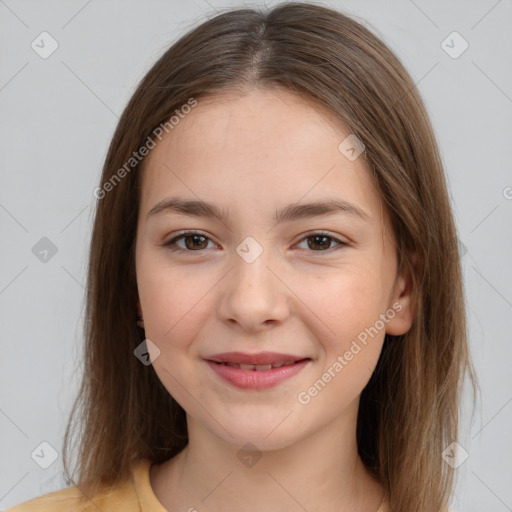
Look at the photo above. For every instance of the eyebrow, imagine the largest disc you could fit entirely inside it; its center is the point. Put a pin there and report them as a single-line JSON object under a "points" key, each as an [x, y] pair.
{"points": [[289, 213]]}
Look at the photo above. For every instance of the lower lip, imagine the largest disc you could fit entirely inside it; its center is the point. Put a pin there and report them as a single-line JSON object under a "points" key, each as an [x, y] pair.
{"points": [[256, 379]]}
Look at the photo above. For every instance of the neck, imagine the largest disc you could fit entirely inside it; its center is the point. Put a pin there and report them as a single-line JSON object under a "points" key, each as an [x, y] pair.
{"points": [[215, 475]]}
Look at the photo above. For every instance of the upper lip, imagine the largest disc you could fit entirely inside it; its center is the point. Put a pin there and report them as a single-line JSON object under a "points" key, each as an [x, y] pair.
{"points": [[259, 358]]}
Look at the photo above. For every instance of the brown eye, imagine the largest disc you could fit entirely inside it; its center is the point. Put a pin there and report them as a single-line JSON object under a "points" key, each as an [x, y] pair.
{"points": [[196, 242], [192, 242], [320, 242]]}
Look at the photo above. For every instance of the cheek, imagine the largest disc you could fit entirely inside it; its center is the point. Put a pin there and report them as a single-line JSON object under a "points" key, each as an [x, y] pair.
{"points": [[348, 301], [174, 309], [174, 304], [351, 347]]}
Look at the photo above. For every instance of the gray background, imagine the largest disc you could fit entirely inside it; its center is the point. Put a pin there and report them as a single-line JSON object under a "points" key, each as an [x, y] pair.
{"points": [[58, 115]]}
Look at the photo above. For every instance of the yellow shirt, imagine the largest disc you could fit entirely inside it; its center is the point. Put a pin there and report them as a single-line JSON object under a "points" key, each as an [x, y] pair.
{"points": [[133, 495]]}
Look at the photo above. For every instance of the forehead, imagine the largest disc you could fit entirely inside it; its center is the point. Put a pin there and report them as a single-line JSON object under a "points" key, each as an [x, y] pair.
{"points": [[251, 115], [256, 148]]}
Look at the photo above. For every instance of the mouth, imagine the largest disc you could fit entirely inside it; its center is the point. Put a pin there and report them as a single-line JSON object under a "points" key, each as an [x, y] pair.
{"points": [[256, 371], [259, 359], [260, 367]]}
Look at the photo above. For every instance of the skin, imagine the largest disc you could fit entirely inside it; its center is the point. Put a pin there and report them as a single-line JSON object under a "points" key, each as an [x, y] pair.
{"points": [[252, 154]]}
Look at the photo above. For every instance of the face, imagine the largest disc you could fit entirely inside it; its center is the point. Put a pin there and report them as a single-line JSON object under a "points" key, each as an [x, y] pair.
{"points": [[266, 274]]}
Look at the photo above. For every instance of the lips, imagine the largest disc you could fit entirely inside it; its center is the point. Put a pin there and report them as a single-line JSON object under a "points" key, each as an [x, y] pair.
{"points": [[256, 371], [258, 367], [274, 359]]}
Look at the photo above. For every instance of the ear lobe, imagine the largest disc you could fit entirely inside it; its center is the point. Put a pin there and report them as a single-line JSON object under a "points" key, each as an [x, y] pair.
{"points": [[403, 302]]}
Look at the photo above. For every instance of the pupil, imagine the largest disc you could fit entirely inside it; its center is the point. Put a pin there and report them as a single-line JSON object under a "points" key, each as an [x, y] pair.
{"points": [[319, 237], [195, 239]]}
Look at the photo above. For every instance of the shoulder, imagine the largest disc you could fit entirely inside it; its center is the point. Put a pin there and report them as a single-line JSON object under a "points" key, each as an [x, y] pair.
{"points": [[385, 508], [64, 500], [111, 499]]}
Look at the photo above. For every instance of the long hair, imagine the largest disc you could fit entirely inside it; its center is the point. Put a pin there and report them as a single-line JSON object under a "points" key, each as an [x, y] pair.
{"points": [[409, 409]]}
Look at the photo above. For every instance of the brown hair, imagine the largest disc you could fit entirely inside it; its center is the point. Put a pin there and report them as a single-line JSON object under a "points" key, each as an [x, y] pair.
{"points": [[409, 409]]}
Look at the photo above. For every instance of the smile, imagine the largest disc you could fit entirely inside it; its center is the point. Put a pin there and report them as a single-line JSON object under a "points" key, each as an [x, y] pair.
{"points": [[256, 371], [259, 367]]}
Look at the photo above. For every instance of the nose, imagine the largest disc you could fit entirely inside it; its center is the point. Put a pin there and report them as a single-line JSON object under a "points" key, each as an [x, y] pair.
{"points": [[253, 296]]}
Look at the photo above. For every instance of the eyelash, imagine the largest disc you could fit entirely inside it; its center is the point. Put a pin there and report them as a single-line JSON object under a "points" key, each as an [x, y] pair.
{"points": [[184, 234]]}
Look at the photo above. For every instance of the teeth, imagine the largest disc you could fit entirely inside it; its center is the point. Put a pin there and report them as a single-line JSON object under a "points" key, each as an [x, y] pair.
{"points": [[259, 367], [263, 366]]}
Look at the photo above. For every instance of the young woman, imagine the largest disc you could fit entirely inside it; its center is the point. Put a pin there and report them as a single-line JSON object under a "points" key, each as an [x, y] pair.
{"points": [[275, 311]]}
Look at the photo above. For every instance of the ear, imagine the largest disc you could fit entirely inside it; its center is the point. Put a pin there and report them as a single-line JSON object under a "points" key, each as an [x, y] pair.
{"points": [[139, 309], [403, 302]]}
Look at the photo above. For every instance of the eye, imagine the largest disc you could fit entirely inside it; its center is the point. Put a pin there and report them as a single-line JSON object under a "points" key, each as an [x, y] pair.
{"points": [[195, 241], [321, 240]]}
